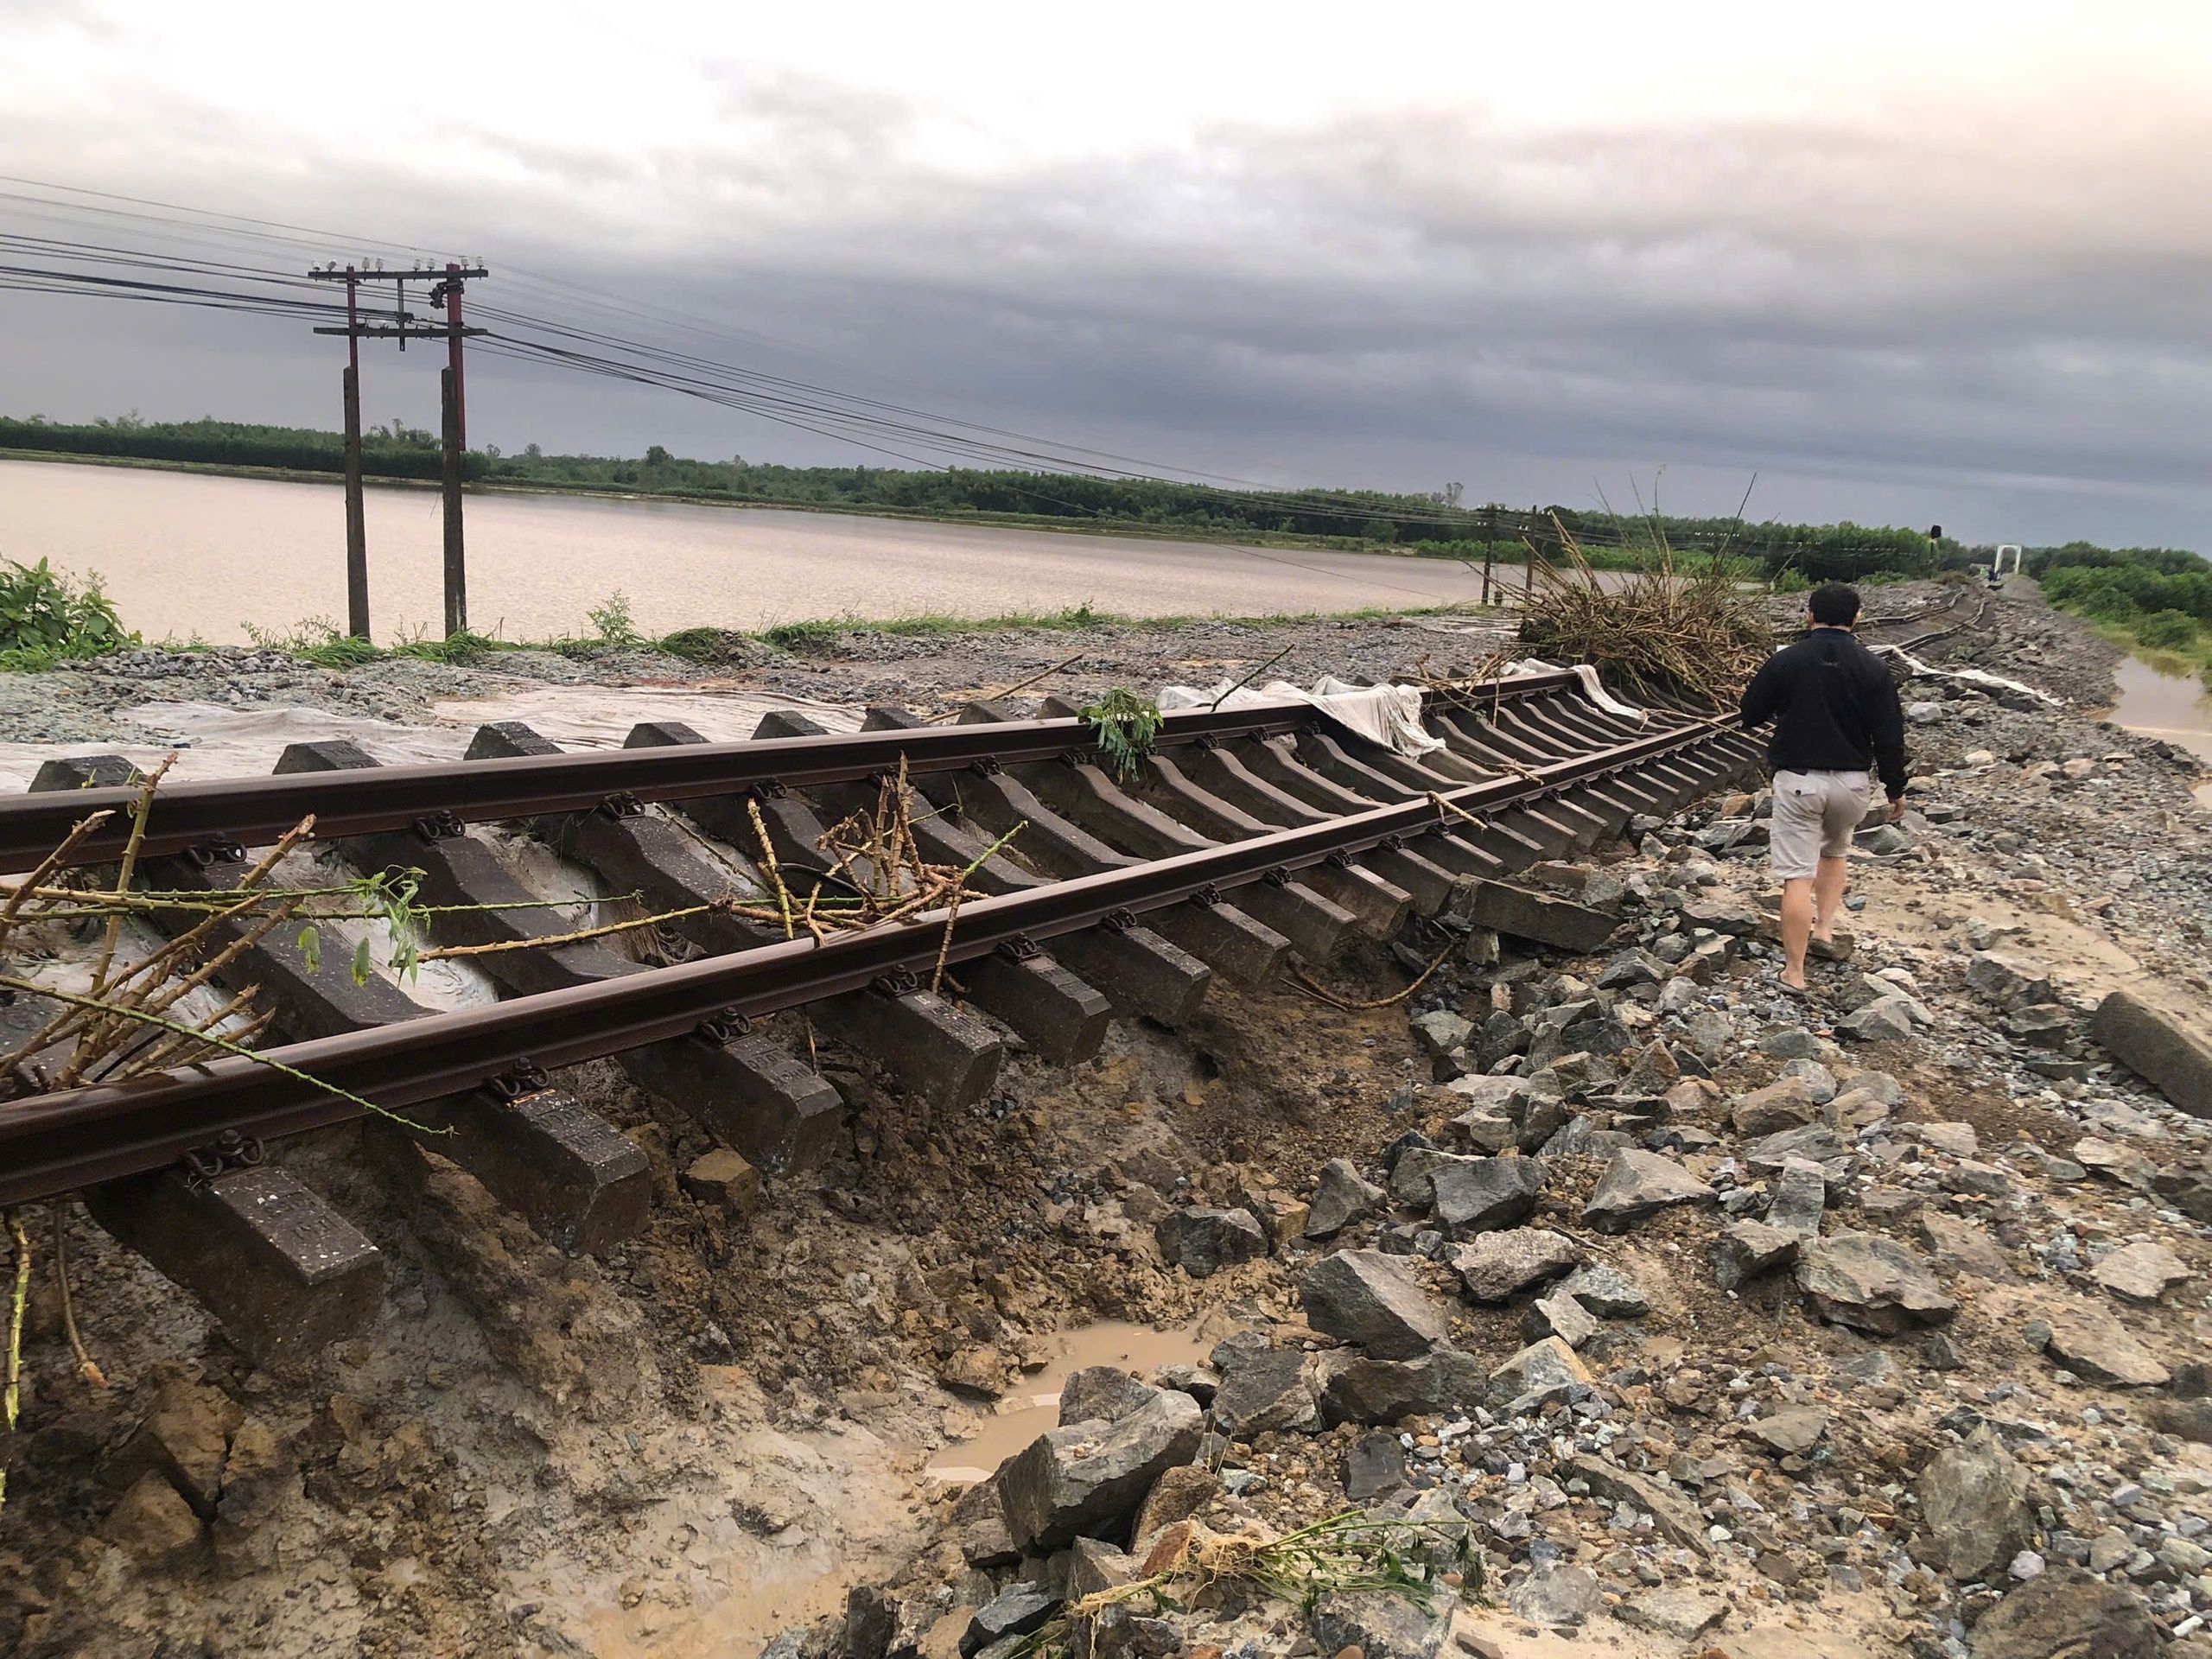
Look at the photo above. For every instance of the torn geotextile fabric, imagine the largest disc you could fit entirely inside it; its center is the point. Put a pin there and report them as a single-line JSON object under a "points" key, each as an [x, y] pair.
{"points": [[1389, 714]]}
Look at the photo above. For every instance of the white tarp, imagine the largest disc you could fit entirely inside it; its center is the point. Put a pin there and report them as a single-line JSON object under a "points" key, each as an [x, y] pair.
{"points": [[1590, 684], [1389, 714]]}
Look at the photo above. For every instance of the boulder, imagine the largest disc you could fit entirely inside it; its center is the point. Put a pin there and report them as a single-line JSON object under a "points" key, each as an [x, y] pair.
{"points": [[1413, 1174], [1952, 1140], [1637, 1185], [1442, 1030], [2088, 1342], [1728, 916], [1358, 1389], [1088, 1478], [1885, 1019], [1814, 1142], [1103, 1392], [1973, 1499], [1791, 1043], [1818, 1080], [1799, 1199], [1478, 1195], [1266, 1389], [1784, 1104], [1747, 1248], [1015, 1611], [1634, 966], [1558, 1594], [978, 1525], [260, 1480], [1372, 1302], [1375, 1467], [1176, 1496], [2115, 1162], [185, 1438], [2157, 1047], [1487, 1133], [1684, 1614], [152, 1524], [724, 1179], [1958, 1246], [1541, 1372], [2139, 1273], [2007, 979], [1498, 1266], [1607, 1292], [2067, 1614], [1204, 1242], [1791, 1433], [1672, 1513], [1095, 1566], [1560, 1315], [1870, 1283], [1342, 1197], [1377, 1624]]}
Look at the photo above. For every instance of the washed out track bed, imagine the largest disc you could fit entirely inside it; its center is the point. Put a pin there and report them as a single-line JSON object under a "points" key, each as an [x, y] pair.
{"points": [[1249, 841]]}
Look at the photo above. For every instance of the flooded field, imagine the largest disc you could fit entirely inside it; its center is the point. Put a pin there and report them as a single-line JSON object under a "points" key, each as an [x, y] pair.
{"points": [[186, 555], [2174, 707]]}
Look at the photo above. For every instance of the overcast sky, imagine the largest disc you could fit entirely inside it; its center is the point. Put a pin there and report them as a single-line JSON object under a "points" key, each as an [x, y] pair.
{"points": [[1908, 263]]}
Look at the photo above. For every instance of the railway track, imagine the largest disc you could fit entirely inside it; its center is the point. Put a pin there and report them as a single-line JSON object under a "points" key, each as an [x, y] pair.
{"points": [[1250, 837]]}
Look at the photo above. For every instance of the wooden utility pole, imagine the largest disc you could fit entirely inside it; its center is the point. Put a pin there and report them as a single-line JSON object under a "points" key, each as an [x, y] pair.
{"points": [[446, 286]]}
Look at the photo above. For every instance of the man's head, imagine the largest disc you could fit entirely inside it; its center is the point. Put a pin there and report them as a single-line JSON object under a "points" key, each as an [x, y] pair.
{"points": [[1834, 605]]}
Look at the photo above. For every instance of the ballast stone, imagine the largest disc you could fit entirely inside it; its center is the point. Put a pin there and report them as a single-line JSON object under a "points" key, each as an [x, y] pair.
{"points": [[1373, 1301]]}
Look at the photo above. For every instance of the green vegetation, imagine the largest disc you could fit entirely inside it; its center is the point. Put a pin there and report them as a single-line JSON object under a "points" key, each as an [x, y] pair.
{"points": [[2155, 599], [1359, 520], [46, 618], [1122, 726]]}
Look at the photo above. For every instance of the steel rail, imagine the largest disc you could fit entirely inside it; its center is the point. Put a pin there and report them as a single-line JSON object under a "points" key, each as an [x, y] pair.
{"points": [[255, 811], [57, 1142]]}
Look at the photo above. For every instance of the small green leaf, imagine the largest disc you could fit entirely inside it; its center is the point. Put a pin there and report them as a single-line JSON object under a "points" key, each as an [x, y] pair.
{"points": [[311, 947], [364, 964]]}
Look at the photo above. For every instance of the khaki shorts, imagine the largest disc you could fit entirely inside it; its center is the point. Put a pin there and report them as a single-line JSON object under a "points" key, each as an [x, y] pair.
{"points": [[1815, 816]]}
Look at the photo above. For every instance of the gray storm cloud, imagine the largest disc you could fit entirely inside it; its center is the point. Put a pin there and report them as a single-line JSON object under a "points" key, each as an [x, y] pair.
{"points": [[1986, 314]]}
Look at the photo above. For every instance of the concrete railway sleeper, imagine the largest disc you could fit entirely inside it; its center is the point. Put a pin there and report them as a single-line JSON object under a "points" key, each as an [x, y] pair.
{"points": [[1243, 841]]}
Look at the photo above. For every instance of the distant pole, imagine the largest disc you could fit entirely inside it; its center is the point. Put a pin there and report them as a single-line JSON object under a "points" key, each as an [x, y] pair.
{"points": [[1529, 565], [356, 529], [1490, 547], [456, 565]]}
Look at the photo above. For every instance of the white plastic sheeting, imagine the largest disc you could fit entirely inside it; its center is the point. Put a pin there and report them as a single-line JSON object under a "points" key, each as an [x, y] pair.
{"points": [[1390, 714]]}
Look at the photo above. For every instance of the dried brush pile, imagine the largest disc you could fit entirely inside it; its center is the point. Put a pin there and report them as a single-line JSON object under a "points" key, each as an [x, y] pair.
{"points": [[1665, 632]]}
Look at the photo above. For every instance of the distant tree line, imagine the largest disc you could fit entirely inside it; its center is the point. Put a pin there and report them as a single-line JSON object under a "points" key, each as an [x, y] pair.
{"points": [[2161, 596], [1432, 525]]}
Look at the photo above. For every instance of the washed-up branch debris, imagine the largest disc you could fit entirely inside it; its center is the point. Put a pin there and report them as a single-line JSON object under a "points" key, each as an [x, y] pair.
{"points": [[1352, 1552], [1664, 630]]}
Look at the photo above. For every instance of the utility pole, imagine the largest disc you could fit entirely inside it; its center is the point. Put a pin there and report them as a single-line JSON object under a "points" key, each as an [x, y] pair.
{"points": [[1490, 547], [446, 286], [357, 523]]}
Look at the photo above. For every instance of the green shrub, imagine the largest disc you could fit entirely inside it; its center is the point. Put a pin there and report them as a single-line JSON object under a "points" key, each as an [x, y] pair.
{"points": [[43, 612], [709, 645], [611, 616], [2167, 631]]}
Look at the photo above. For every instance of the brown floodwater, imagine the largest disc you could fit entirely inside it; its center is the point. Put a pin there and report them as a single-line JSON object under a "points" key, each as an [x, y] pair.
{"points": [[2174, 707], [186, 555], [1033, 1407]]}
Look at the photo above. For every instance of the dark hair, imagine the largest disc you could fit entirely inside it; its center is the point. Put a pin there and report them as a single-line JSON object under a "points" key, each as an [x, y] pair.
{"points": [[1835, 605]]}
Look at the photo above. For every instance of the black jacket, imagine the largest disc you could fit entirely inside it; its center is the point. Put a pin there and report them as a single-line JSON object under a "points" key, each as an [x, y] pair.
{"points": [[1835, 709]]}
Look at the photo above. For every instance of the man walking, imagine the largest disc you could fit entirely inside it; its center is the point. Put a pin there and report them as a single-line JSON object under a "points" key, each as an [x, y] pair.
{"points": [[1836, 718]]}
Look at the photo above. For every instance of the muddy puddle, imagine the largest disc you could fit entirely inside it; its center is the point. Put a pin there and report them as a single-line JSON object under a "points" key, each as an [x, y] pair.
{"points": [[1034, 1404], [2174, 707]]}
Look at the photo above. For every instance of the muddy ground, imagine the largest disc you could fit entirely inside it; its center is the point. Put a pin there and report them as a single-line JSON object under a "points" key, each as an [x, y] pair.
{"points": [[715, 1434]]}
